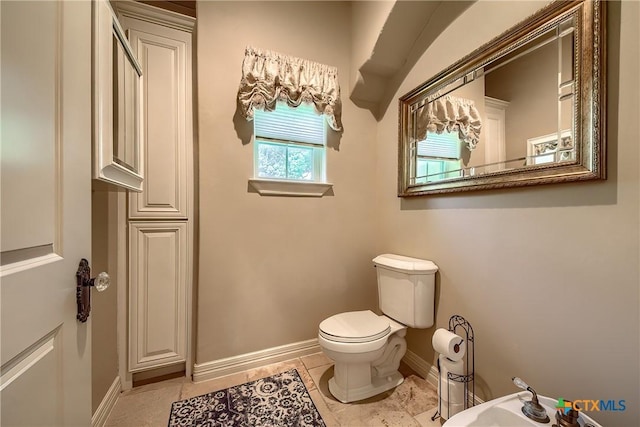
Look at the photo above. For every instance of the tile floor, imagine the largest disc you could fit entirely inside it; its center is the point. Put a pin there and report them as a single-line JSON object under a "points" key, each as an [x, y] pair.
{"points": [[410, 404]]}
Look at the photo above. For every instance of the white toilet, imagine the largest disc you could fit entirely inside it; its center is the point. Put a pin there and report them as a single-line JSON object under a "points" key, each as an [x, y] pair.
{"points": [[367, 348]]}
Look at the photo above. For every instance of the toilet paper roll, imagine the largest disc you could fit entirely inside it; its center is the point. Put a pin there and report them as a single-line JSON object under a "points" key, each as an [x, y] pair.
{"points": [[450, 391], [451, 345]]}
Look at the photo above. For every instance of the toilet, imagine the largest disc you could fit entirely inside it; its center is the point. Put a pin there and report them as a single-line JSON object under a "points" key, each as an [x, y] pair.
{"points": [[367, 348]]}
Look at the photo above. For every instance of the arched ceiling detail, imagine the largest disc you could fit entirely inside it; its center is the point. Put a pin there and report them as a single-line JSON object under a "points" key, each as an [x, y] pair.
{"points": [[408, 30]]}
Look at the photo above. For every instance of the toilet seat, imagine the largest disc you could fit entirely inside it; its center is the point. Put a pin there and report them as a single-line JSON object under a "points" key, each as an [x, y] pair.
{"points": [[355, 327]]}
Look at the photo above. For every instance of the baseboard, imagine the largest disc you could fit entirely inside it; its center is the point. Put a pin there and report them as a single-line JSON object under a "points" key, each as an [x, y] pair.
{"points": [[423, 368], [158, 374], [108, 402], [231, 365], [427, 371]]}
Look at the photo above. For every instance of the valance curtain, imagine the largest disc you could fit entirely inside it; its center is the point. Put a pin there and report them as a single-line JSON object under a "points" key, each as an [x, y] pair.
{"points": [[450, 113], [270, 76]]}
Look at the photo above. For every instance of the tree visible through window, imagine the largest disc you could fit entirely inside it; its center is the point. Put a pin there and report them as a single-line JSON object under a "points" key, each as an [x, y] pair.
{"points": [[285, 161]]}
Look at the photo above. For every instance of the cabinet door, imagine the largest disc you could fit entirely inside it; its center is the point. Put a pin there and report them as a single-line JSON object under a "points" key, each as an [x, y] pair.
{"points": [[166, 119], [116, 102], [158, 260]]}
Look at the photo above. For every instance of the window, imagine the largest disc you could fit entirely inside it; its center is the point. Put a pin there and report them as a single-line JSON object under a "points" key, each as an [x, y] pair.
{"points": [[550, 148], [290, 140], [438, 157], [289, 143]]}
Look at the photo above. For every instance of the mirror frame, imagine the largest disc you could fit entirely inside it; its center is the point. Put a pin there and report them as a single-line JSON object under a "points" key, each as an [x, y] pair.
{"points": [[589, 113], [105, 167]]}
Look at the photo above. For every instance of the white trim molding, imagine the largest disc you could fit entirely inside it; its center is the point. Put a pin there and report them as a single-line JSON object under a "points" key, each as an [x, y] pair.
{"points": [[423, 368], [427, 371], [155, 15], [109, 400], [273, 187], [231, 365]]}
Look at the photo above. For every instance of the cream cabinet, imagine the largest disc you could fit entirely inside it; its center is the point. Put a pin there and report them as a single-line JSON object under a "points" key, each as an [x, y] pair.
{"points": [[116, 102], [160, 217], [166, 105], [157, 293]]}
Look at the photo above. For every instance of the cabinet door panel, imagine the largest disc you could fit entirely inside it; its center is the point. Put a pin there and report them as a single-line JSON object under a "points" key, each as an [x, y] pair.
{"points": [[165, 58], [157, 293]]}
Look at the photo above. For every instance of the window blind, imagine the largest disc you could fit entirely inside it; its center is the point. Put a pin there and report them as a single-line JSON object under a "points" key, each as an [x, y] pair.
{"points": [[290, 124], [445, 145]]}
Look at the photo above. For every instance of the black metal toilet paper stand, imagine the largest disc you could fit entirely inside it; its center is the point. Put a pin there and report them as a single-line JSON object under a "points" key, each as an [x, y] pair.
{"points": [[458, 323]]}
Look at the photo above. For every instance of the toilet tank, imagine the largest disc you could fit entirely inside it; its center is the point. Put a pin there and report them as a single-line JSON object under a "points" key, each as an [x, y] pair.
{"points": [[406, 289]]}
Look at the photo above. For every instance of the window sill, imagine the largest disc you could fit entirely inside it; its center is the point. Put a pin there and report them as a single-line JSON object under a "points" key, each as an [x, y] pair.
{"points": [[272, 187]]}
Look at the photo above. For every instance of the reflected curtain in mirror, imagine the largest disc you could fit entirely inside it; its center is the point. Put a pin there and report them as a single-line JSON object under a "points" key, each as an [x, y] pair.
{"points": [[449, 114]]}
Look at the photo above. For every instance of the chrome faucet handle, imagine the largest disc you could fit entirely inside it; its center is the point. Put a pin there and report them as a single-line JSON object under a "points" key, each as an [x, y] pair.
{"points": [[532, 409], [519, 383]]}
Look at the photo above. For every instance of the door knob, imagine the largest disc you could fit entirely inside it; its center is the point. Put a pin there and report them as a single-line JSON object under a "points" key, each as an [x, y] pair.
{"points": [[101, 281], [84, 282]]}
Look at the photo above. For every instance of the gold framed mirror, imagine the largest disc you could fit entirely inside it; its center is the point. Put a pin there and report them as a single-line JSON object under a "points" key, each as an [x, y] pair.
{"points": [[527, 108]]}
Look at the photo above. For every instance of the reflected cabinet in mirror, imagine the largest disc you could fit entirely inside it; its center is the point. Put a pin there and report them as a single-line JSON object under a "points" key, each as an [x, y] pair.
{"points": [[116, 102], [526, 108]]}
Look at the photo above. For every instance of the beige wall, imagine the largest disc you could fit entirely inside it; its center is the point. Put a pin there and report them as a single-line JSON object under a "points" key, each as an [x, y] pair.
{"points": [[271, 268], [548, 276], [530, 85], [367, 19], [104, 355]]}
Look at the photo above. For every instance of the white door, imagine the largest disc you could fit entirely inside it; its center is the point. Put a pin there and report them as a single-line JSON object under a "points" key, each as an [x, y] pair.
{"points": [[45, 211], [494, 129]]}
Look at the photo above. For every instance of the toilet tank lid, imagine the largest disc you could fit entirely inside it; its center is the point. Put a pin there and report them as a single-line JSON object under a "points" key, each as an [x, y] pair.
{"points": [[405, 264]]}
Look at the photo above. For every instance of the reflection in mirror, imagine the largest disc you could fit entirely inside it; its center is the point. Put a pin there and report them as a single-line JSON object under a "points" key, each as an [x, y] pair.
{"points": [[125, 113], [514, 112], [492, 120]]}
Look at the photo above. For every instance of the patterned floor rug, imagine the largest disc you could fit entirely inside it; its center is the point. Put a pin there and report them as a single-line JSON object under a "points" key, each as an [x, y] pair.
{"points": [[278, 400]]}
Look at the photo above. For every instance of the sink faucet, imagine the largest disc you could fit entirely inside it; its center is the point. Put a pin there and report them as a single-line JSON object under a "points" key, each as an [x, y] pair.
{"points": [[532, 409], [570, 419]]}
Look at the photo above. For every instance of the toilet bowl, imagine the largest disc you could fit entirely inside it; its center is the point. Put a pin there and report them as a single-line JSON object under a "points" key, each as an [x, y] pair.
{"points": [[366, 350], [366, 347]]}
